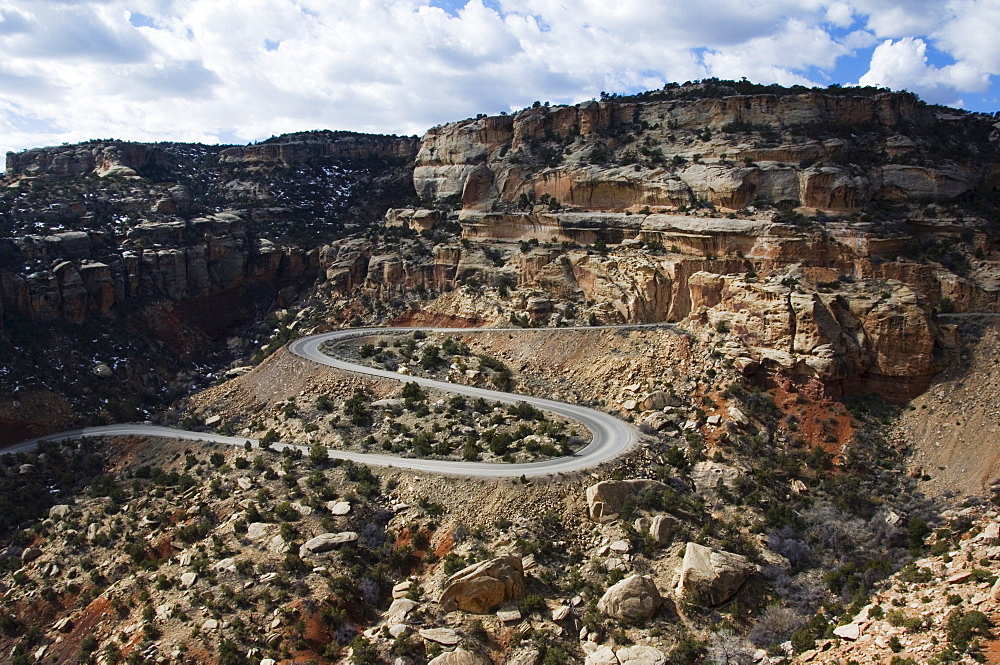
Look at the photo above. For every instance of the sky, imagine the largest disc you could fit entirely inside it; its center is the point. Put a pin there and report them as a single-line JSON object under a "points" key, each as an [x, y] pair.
{"points": [[238, 71]]}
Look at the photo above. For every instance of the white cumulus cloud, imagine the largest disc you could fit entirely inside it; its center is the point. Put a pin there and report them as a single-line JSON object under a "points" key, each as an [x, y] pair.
{"points": [[903, 64], [240, 70]]}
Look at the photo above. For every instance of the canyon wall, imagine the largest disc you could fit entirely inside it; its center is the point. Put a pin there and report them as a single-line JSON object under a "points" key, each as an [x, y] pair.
{"points": [[304, 151], [198, 262], [816, 150], [100, 158]]}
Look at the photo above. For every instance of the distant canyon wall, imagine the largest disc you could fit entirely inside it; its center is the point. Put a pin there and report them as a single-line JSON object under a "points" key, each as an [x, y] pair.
{"points": [[816, 150], [203, 262]]}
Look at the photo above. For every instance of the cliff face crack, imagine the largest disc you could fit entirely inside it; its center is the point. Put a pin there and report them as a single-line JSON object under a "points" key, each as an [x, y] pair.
{"points": [[610, 437]]}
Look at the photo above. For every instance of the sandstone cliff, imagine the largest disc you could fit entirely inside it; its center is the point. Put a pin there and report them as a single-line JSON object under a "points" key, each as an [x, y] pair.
{"points": [[123, 266], [832, 152], [96, 157], [864, 333], [309, 147], [161, 223], [181, 262]]}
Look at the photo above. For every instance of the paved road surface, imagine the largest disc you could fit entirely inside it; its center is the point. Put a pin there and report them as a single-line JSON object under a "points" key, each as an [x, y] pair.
{"points": [[610, 437]]}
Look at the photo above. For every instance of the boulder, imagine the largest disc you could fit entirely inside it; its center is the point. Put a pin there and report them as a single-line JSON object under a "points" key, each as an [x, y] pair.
{"points": [[277, 545], [259, 530], [604, 655], [561, 613], [662, 529], [707, 475], [620, 546], [990, 535], [606, 498], [711, 577], [507, 616], [338, 507], [658, 420], [60, 511], [851, 631], [400, 608], [188, 579], [653, 401], [483, 586], [460, 657], [526, 657], [445, 636], [227, 565], [640, 655], [30, 554], [633, 599], [326, 542], [402, 589]]}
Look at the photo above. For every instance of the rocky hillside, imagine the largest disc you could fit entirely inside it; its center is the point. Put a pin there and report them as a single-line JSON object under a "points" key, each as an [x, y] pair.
{"points": [[824, 230], [818, 259], [715, 534], [838, 326], [138, 261]]}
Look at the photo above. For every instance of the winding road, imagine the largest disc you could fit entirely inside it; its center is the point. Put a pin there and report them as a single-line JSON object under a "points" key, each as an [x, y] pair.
{"points": [[610, 437]]}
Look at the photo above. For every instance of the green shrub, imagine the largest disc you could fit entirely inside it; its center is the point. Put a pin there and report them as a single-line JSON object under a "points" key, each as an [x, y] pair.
{"points": [[285, 511], [531, 603], [912, 574], [963, 627], [555, 656], [803, 640]]}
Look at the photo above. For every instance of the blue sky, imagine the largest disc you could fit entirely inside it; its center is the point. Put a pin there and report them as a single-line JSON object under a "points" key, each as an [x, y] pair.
{"points": [[242, 70]]}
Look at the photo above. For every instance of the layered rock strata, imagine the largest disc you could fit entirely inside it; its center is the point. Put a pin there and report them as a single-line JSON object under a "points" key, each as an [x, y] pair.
{"points": [[834, 152], [181, 262]]}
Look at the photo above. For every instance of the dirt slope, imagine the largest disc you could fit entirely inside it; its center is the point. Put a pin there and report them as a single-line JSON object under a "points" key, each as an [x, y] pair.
{"points": [[954, 427]]}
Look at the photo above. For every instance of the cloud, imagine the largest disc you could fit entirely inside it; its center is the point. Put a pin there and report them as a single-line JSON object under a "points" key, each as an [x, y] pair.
{"points": [[187, 79], [901, 18], [58, 31], [840, 14], [194, 70], [970, 36], [779, 57], [903, 64]]}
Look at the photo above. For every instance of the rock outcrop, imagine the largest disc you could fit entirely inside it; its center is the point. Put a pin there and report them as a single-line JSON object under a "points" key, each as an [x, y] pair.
{"points": [[312, 147], [633, 599], [711, 577], [730, 151], [634, 655], [640, 655], [606, 499], [181, 262], [327, 541], [460, 657], [483, 586], [101, 158]]}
